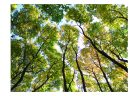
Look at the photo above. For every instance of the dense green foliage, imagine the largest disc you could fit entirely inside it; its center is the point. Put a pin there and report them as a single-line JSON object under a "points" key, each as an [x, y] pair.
{"points": [[70, 48]]}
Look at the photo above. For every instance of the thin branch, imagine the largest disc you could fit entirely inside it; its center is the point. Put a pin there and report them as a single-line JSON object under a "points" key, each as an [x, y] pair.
{"points": [[122, 16], [71, 81], [40, 86], [121, 59]]}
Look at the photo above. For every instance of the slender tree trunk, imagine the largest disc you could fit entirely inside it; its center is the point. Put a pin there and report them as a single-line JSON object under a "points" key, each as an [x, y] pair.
{"points": [[81, 73], [98, 83], [25, 69], [104, 53], [65, 89], [109, 85]]}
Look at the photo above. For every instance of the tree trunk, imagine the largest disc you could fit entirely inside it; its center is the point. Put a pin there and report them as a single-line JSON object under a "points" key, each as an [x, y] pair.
{"points": [[81, 73], [98, 83], [111, 89], [65, 89], [109, 85]]}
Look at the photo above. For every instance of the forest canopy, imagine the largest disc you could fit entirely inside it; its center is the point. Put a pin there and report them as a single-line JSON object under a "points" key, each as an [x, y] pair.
{"points": [[69, 48]]}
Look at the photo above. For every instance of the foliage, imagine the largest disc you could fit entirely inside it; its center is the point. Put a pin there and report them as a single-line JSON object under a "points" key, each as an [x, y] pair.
{"points": [[77, 47]]}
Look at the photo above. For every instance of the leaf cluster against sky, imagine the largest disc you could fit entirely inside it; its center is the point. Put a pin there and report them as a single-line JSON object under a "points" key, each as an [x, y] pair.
{"points": [[70, 48]]}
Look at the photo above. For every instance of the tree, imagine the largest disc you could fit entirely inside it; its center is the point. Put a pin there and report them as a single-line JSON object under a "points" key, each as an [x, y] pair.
{"points": [[70, 48]]}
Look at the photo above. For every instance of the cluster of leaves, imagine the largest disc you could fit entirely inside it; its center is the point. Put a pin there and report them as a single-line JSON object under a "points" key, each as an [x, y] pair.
{"points": [[47, 53]]}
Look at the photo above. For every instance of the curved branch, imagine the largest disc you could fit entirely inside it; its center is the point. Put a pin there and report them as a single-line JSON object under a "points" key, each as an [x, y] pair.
{"points": [[121, 59], [122, 16]]}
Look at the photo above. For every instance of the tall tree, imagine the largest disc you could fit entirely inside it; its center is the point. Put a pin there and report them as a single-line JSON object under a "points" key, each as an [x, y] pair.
{"points": [[69, 47]]}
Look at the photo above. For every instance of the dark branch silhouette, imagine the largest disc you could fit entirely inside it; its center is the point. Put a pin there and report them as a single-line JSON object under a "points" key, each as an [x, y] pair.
{"points": [[104, 53], [81, 73]]}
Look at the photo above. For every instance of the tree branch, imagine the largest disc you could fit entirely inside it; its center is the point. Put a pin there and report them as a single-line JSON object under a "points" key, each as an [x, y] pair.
{"points": [[121, 59], [103, 53], [71, 81], [35, 89], [122, 16], [25, 69]]}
